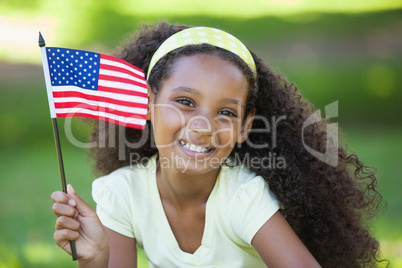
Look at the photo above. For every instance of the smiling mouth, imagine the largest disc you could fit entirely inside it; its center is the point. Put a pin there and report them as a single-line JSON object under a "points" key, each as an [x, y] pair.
{"points": [[194, 148]]}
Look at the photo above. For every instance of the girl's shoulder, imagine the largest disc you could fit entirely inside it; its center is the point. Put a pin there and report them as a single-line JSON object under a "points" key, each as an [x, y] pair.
{"points": [[245, 203], [241, 176], [240, 183]]}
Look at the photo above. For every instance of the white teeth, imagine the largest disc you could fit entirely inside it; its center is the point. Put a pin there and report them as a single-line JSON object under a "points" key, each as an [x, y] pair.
{"points": [[194, 148]]}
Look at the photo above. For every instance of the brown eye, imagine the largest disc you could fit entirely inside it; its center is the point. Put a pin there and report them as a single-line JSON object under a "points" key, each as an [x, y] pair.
{"points": [[186, 102], [228, 113]]}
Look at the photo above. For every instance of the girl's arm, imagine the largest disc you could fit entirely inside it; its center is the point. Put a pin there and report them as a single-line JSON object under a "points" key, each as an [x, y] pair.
{"points": [[123, 250], [279, 246]]}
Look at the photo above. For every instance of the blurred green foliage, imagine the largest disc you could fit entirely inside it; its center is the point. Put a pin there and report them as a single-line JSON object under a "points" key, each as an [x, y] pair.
{"points": [[351, 57]]}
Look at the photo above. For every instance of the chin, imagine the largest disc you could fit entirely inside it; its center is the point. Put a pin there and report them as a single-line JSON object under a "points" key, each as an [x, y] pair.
{"points": [[197, 168]]}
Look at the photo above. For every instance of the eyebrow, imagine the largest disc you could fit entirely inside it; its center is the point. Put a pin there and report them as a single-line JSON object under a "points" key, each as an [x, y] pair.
{"points": [[198, 93], [237, 102], [188, 90]]}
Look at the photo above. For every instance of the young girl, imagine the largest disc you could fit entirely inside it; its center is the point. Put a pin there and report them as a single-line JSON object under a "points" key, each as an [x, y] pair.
{"points": [[203, 190]]}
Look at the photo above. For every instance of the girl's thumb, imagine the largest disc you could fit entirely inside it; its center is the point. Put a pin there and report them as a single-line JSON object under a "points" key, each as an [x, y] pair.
{"points": [[82, 207]]}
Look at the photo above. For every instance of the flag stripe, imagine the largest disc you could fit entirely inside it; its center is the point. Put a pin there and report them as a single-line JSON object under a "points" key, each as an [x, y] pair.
{"points": [[143, 95], [109, 60], [109, 106], [106, 83], [121, 72], [93, 95], [98, 108], [136, 109], [121, 79], [68, 112], [139, 124]]}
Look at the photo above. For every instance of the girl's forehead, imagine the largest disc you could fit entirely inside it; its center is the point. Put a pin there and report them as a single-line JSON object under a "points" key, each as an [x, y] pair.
{"points": [[206, 64], [206, 75]]}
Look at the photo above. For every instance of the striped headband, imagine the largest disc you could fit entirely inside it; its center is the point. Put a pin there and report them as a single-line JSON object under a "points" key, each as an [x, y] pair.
{"points": [[201, 35]]}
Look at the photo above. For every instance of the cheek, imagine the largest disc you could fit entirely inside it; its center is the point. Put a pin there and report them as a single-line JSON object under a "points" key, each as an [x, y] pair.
{"points": [[226, 134], [167, 119]]}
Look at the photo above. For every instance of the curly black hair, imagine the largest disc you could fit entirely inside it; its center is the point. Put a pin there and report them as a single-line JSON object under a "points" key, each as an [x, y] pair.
{"points": [[327, 206]]}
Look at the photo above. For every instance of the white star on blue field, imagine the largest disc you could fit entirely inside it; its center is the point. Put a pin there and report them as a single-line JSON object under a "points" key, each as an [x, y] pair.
{"points": [[70, 67]]}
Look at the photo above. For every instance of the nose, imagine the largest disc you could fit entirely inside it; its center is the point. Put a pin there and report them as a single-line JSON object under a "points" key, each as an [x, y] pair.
{"points": [[201, 124]]}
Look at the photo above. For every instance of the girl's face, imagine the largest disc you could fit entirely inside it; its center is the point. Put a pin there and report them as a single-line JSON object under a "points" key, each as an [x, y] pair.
{"points": [[198, 114]]}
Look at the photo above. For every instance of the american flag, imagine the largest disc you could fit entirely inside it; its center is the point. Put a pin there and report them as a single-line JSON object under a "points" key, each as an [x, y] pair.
{"points": [[97, 86]]}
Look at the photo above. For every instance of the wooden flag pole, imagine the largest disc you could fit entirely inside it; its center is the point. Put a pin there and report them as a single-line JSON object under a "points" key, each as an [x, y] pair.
{"points": [[42, 45], [62, 175]]}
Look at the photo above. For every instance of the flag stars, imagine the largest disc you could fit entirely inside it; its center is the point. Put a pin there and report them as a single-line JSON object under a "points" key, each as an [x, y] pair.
{"points": [[73, 68]]}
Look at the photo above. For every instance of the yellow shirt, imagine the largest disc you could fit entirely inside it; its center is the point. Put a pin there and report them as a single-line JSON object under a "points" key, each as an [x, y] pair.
{"points": [[128, 202]]}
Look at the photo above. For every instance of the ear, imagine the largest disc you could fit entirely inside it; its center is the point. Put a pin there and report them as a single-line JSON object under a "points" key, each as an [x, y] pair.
{"points": [[151, 98], [246, 128]]}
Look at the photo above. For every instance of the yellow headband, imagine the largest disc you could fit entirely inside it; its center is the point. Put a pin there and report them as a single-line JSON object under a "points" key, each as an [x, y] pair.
{"points": [[201, 35]]}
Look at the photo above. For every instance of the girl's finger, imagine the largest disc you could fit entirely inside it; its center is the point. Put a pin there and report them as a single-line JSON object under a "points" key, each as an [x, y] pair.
{"points": [[82, 207], [64, 222], [63, 210], [64, 236], [61, 197]]}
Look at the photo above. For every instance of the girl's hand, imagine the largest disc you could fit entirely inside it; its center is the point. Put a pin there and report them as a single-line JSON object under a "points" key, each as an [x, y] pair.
{"points": [[77, 221]]}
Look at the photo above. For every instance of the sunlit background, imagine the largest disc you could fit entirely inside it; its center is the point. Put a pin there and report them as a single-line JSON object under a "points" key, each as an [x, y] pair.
{"points": [[350, 51]]}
